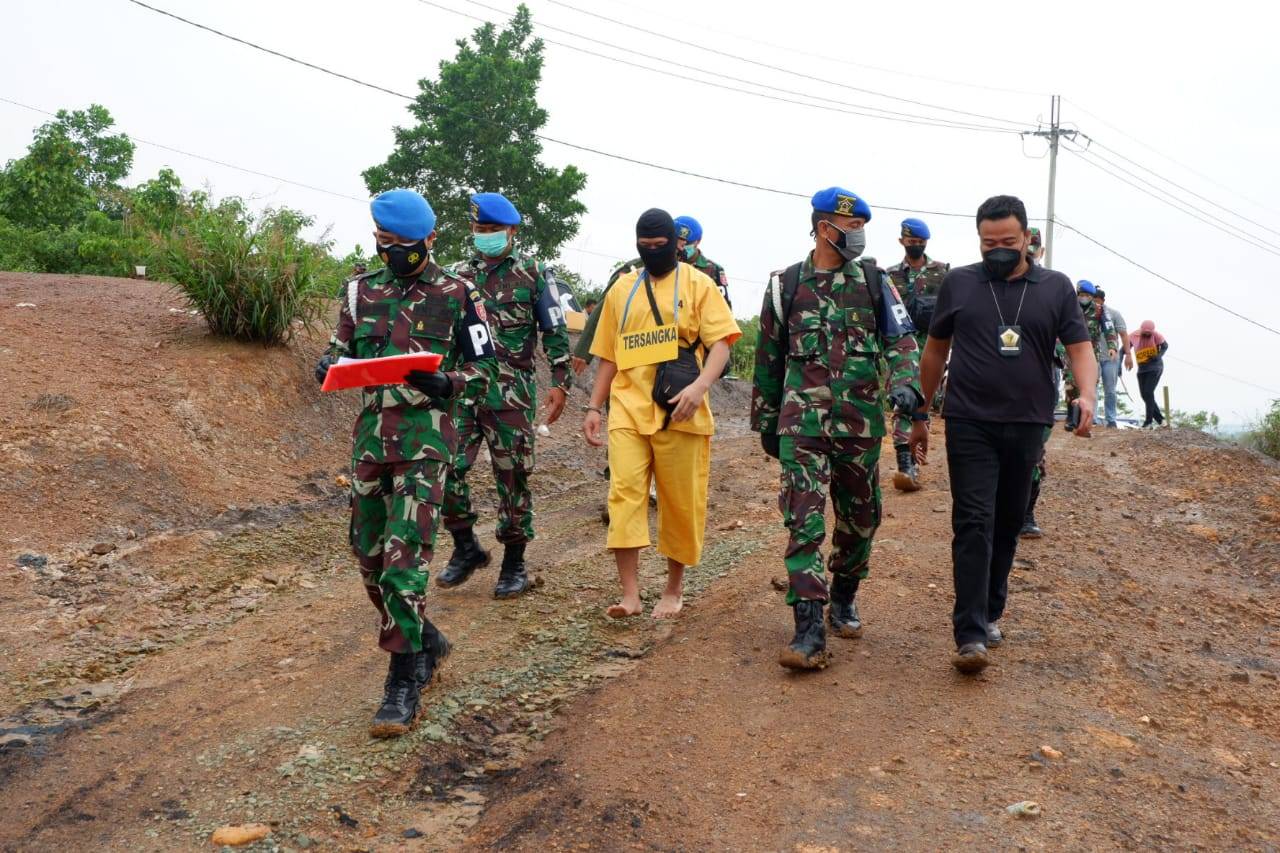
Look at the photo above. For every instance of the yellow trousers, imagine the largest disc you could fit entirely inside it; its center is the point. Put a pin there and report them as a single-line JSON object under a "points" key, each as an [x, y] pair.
{"points": [[680, 462]]}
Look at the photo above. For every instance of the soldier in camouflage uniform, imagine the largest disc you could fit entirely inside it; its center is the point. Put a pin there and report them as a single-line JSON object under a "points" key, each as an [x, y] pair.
{"points": [[404, 436], [1106, 343], [917, 278], [521, 298], [689, 244], [833, 336]]}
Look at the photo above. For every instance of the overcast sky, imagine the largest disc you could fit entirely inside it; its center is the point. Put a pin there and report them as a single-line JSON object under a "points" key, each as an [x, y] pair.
{"points": [[1198, 87]]}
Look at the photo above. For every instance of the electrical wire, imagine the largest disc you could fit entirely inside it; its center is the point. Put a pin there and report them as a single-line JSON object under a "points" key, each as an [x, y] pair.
{"points": [[702, 48], [1177, 162], [810, 54], [1266, 247], [853, 109], [1222, 375], [1059, 221]]}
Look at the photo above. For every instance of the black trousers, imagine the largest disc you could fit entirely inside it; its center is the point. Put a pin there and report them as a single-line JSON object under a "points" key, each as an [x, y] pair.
{"points": [[990, 465], [1147, 382]]}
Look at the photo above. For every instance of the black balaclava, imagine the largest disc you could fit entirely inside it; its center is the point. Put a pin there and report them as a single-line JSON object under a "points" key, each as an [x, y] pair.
{"points": [[656, 222]]}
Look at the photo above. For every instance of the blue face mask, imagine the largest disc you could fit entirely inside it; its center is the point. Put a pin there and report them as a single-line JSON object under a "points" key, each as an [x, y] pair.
{"points": [[690, 250], [492, 245]]}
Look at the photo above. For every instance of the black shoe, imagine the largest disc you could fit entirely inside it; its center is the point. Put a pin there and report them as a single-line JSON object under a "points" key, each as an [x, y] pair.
{"points": [[1030, 530], [994, 635], [466, 558], [971, 658], [399, 698], [513, 580], [842, 615], [809, 648], [435, 651], [604, 513], [907, 477]]}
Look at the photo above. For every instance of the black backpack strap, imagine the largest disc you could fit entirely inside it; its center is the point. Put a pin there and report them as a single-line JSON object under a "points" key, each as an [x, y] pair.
{"points": [[653, 303], [790, 284]]}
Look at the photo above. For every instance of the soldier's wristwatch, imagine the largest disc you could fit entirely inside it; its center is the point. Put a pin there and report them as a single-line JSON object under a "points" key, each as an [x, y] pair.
{"points": [[591, 408], [919, 416]]}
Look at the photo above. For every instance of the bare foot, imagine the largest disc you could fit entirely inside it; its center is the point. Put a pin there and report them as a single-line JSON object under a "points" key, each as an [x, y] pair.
{"points": [[624, 608], [668, 607]]}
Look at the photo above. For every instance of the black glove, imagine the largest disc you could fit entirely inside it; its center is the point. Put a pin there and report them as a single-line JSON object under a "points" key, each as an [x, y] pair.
{"points": [[769, 441], [322, 367], [435, 385], [905, 399]]}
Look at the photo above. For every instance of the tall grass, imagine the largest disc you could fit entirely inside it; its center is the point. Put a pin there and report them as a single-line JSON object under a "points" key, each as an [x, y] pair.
{"points": [[1264, 435], [250, 277]]}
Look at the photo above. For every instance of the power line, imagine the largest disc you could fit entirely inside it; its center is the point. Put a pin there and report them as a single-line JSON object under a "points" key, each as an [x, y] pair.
{"points": [[1173, 160], [1266, 247], [782, 70], [845, 61], [1165, 278], [206, 159], [855, 109], [1223, 375]]}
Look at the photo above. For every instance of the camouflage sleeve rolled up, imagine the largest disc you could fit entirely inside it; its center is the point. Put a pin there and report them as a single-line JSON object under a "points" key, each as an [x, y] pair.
{"points": [[555, 334], [771, 366], [475, 364]]}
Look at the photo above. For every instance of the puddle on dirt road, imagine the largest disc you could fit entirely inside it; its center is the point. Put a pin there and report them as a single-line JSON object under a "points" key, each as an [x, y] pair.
{"points": [[25, 734]]}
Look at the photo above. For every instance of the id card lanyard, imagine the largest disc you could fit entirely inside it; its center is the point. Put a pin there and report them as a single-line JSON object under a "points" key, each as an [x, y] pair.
{"points": [[641, 279], [1009, 337]]}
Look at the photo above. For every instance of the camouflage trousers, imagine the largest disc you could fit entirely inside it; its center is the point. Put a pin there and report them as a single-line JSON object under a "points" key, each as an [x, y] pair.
{"points": [[395, 511], [850, 469], [902, 423], [509, 435]]}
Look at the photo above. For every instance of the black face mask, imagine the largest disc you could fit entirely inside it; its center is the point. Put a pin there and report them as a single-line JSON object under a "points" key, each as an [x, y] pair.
{"points": [[403, 260], [660, 260], [1000, 263], [915, 253]]}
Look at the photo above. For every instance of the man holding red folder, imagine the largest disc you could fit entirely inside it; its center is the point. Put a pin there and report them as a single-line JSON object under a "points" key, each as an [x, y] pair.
{"points": [[404, 437]]}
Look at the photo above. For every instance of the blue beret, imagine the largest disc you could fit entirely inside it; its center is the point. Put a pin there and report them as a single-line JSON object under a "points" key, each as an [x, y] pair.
{"points": [[688, 229], [493, 209], [403, 212], [1086, 286], [842, 202], [915, 228]]}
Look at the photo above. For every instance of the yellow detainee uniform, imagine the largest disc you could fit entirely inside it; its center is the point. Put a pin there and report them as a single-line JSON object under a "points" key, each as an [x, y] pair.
{"points": [[679, 457]]}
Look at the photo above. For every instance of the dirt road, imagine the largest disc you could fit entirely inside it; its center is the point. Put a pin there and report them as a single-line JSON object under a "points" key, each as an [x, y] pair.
{"points": [[218, 667]]}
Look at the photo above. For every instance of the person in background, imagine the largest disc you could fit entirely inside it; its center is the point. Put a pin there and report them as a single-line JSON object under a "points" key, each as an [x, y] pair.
{"points": [[998, 320], [1149, 347], [689, 241], [917, 278], [1111, 367], [665, 313], [589, 307], [1105, 345], [1035, 249]]}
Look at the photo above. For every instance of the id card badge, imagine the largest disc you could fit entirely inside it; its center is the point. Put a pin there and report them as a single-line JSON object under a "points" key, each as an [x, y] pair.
{"points": [[647, 346], [1009, 340]]}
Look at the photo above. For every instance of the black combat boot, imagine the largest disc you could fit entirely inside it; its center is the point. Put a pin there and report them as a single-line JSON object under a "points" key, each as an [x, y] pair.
{"points": [[467, 556], [809, 648], [907, 477], [435, 651], [399, 698], [1031, 530], [842, 615], [513, 580]]}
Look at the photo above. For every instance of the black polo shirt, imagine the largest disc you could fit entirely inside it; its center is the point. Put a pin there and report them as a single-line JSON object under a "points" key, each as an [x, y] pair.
{"points": [[982, 384]]}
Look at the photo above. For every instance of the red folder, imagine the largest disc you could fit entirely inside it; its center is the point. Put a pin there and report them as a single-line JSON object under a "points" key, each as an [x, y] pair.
{"points": [[392, 370]]}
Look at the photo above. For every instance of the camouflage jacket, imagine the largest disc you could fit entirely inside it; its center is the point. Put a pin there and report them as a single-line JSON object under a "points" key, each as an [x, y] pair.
{"points": [[583, 348], [522, 299], [821, 370], [913, 284], [435, 312], [713, 271], [1101, 331]]}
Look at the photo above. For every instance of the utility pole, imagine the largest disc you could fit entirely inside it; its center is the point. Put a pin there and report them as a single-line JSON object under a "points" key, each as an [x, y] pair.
{"points": [[1052, 134]]}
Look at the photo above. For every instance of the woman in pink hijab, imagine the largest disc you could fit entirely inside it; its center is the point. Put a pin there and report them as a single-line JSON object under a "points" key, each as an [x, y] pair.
{"points": [[1148, 348]]}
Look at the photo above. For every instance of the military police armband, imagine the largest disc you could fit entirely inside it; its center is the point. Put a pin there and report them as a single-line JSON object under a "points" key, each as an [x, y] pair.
{"points": [[894, 320], [475, 339], [552, 304]]}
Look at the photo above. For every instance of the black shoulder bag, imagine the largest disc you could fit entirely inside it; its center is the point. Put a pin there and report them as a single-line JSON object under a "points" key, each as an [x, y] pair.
{"points": [[678, 374]]}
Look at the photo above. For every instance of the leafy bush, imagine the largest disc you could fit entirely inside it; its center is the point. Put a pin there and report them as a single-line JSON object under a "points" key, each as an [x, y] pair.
{"points": [[1264, 436], [742, 357], [251, 277], [1202, 421]]}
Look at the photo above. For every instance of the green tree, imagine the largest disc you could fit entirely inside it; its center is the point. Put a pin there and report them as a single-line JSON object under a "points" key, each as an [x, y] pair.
{"points": [[72, 166], [475, 132]]}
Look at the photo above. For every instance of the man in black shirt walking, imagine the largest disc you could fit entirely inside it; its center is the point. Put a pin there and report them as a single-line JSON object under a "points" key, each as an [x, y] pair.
{"points": [[998, 319]]}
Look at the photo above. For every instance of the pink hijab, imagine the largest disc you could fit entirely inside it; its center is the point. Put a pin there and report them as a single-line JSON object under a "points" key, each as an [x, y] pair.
{"points": [[1148, 334]]}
